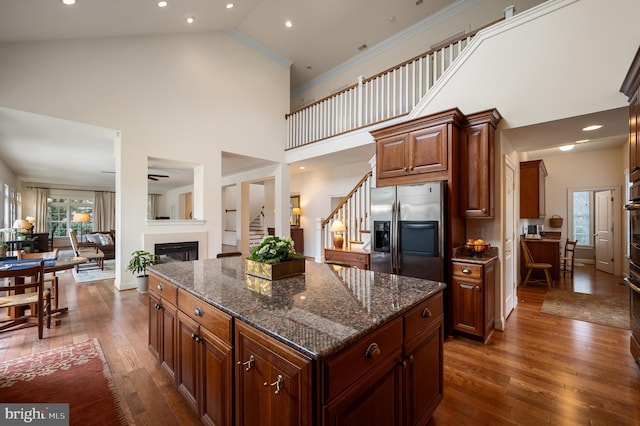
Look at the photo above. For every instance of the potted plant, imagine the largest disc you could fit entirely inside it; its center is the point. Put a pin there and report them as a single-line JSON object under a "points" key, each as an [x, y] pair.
{"points": [[4, 246], [138, 264], [274, 258]]}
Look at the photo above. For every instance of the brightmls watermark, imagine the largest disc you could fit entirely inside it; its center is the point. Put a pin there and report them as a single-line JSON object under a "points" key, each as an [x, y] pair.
{"points": [[34, 414]]}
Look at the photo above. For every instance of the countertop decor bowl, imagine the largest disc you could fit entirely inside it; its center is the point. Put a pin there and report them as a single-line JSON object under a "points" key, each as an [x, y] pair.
{"points": [[476, 249]]}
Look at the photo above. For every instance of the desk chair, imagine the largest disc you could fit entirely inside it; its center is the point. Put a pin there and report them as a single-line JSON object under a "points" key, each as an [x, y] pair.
{"points": [[51, 277], [24, 286], [569, 256], [531, 264]]}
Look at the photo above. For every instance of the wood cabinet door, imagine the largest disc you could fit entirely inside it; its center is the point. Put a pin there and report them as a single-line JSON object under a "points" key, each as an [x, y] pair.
{"points": [[273, 382], [428, 150], [168, 314], [216, 401], [634, 137], [375, 399], [155, 321], [187, 366], [391, 156], [476, 171], [423, 374], [467, 305]]}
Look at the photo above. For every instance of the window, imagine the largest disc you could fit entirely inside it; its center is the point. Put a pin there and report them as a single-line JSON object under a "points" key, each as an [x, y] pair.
{"points": [[60, 212], [581, 204]]}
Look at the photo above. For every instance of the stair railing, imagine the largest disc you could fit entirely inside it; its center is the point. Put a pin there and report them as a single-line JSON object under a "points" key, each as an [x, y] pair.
{"points": [[384, 96], [353, 211]]}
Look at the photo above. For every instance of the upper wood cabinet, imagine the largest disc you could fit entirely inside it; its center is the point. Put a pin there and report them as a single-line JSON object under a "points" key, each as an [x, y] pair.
{"points": [[631, 88], [477, 164], [418, 150], [532, 189]]}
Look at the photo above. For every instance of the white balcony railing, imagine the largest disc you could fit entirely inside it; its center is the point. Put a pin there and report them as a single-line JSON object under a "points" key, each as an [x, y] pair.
{"points": [[384, 96]]}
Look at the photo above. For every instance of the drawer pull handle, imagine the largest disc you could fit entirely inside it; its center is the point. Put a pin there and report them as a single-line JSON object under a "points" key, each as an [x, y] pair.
{"points": [[197, 312], [426, 313], [277, 384], [478, 288], [372, 351], [195, 337], [159, 286], [248, 364], [466, 271], [157, 306]]}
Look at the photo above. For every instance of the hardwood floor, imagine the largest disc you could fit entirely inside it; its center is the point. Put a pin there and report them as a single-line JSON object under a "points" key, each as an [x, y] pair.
{"points": [[542, 370]]}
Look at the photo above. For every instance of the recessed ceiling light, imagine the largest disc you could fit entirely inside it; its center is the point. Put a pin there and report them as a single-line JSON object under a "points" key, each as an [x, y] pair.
{"points": [[162, 4], [566, 147], [592, 127], [68, 2], [582, 141], [302, 167], [308, 67], [190, 20], [288, 24], [229, 5], [362, 47], [391, 18]]}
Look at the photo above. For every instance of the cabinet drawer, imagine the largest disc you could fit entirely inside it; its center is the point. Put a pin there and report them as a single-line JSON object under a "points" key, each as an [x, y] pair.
{"points": [[422, 316], [353, 362], [163, 288], [353, 258], [206, 315], [467, 270]]}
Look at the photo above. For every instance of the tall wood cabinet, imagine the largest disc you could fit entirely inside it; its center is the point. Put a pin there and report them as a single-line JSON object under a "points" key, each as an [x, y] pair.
{"points": [[631, 88], [532, 189], [477, 169]]}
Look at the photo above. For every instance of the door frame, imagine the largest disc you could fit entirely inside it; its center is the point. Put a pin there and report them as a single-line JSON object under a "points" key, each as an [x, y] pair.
{"points": [[509, 230]]}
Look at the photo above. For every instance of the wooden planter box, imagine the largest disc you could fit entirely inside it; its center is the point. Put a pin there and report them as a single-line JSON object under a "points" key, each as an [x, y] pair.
{"points": [[277, 270]]}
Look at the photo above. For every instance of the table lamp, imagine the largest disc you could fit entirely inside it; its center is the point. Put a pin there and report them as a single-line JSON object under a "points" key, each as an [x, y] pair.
{"points": [[81, 218], [32, 221], [22, 227], [337, 227], [296, 212]]}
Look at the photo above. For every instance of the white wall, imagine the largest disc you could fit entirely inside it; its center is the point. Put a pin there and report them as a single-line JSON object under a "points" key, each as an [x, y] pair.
{"points": [[180, 97], [462, 16]]}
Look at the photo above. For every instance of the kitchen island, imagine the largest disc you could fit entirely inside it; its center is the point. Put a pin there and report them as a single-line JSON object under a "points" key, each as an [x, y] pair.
{"points": [[333, 346]]}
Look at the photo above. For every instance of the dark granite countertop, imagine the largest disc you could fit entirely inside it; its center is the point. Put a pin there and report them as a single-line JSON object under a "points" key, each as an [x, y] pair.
{"points": [[317, 313], [460, 254]]}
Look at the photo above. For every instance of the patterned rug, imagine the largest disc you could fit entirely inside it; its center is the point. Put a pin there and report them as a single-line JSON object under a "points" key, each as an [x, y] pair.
{"points": [[606, 310], [76, 374], [87, 275]]}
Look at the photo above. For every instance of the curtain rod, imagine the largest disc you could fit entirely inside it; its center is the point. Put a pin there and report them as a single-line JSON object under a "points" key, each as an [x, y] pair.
{"points": [[68, 189]]}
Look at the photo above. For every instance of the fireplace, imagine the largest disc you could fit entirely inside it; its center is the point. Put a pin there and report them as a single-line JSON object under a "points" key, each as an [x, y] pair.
{"points": [[176, 251]]}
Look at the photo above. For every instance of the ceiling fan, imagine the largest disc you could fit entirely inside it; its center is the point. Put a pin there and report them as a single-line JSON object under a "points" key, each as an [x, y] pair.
{"points": [[150, 176]]}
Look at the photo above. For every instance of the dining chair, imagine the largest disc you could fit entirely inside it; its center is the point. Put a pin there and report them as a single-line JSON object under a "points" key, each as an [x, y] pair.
{"points": [[532, 265], [23, 286], [94, 256], [52, 235], [568, 259], [49, 278]]}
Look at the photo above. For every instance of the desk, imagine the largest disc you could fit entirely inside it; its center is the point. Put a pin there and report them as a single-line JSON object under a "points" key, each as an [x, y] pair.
{"points": [[49, 266], [545, 250]]}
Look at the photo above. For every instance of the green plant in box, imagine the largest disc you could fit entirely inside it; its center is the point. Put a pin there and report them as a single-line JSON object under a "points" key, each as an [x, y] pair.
{"points": [[274, 249], [139, 262]]}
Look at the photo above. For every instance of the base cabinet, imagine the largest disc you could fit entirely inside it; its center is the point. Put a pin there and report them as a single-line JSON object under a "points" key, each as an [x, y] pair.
{"points": [[273, 382], [473, 298], [162, 324]]}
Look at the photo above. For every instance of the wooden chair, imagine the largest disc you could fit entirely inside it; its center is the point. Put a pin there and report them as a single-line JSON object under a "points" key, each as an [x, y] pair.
{"points": [[95, 256], [23, 286], [569, 256], [51, 277], [531, 264]]}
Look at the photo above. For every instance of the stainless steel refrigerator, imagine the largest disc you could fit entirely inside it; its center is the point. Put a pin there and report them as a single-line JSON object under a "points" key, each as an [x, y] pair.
{"points": [[407, 230]]}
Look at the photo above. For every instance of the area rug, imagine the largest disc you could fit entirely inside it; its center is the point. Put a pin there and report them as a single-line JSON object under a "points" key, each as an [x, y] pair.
{"points": [[76, 374], [87, 275], [606, 310]]}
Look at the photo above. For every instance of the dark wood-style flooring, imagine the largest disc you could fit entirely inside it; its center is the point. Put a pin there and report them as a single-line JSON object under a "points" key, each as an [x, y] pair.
{"points": [[542, 370]]}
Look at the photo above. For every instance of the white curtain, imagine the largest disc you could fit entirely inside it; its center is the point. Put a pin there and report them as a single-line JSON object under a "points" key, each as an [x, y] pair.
{"points": [[104, 211], [153, 206], [41, 210]]}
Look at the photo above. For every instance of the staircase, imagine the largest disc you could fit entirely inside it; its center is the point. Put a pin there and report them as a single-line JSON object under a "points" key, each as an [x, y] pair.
{"points": [[256, 230], [353, 211]]}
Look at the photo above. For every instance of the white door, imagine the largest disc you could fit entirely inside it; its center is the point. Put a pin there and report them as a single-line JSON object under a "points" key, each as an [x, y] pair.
{"points": [[510, 299], [604, 231]]}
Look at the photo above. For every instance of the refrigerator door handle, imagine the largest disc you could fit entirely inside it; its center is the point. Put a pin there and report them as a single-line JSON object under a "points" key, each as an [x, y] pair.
{"points": [[394, 237]]}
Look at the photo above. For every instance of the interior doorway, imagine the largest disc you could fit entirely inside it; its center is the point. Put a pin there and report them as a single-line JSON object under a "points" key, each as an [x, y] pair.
{"points": [[510, 299], [603, 234]]}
